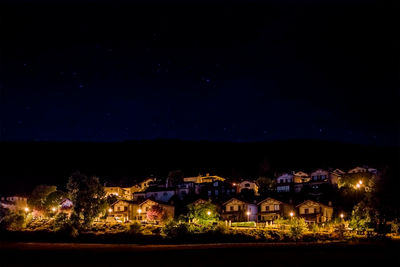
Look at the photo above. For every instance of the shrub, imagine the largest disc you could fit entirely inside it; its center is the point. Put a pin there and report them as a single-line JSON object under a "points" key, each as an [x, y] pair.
{"points": [[135, 228], [297, 227], [244, 224], [13, 221], [173, 229], [60, 222]]}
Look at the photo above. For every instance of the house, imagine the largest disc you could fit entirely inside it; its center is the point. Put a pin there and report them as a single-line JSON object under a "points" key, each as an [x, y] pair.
{"points": [[284, 182], [203, 179], [156, 193], [146, 206], [271, 209], [123, 210], [319, 177], [299, 179], [236, 210], [249, 185], [362, 169], [15, 202], [335, 175], [217, 190], [314, 212]]}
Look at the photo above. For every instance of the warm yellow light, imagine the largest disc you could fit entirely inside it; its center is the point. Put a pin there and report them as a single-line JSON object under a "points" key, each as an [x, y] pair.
{"points": [[341, 215], [139, 210], [234, 184], [248, 213], [208, 213], [26, 209], [291, 214], [53, 209], [358, 185], [360, 182], [109, 210], [116, 194]]}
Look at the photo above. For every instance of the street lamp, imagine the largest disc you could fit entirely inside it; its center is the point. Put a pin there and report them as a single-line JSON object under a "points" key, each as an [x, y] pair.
{"points": [[139, 211], [26, 209], [208, 213], [53, 209], [248, 215], [360, 182], [341, 216], [291, 214], [358, 186], [110, 210]]}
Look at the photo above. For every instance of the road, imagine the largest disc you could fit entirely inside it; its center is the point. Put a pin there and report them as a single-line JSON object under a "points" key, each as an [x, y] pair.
{"points": [[253, 254]]}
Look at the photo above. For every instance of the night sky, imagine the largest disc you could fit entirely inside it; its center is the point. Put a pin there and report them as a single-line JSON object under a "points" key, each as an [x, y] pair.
{"points": [[226, 72]]}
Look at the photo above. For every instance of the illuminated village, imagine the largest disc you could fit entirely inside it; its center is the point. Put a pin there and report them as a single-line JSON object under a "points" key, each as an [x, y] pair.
{"points": [[290, 206]]}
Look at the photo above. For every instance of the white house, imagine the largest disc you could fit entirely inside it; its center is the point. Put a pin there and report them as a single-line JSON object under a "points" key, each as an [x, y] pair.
{"points": [[246, 184], [283, 182]]}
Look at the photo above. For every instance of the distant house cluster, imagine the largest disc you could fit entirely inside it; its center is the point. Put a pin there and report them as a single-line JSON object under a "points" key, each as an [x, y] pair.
{"points": [[230, 199], [236, 200]]}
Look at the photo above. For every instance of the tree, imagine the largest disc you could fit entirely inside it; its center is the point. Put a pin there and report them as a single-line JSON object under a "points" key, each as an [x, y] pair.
{"points": [[38, 197], [88, 197], [203, 213], [266, 185], [156, 213], [352, 179], [362, 216], [54, 199]]}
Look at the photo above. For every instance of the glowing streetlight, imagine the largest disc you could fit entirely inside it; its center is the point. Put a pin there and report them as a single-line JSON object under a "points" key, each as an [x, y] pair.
{"points": [[358, 186], [291, 214], [234, 184], [53, 209], [248, 215], [110, 210], [208, 213], [26, 209], [360, 182], [139, 211]]}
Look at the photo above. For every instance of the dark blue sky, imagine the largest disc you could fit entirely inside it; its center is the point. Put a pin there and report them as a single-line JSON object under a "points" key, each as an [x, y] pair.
{"points": [[96, 72]]}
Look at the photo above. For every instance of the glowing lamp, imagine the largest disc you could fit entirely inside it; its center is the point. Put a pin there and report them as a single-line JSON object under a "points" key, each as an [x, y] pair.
{"points": [[26, 209], [208, 213], [109, 210]]}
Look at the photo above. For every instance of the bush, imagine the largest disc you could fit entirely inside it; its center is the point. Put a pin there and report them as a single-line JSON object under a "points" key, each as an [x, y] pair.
{"points": [[13, 221], [173, 229], [135, 228], [297, 227], [244, 224], [60, 222]]}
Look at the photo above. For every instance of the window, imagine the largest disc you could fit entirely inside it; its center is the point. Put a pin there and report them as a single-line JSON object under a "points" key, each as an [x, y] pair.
{"points": [[276, 207], [266, 208], [305, 211], [311, 210], [231, 208]]}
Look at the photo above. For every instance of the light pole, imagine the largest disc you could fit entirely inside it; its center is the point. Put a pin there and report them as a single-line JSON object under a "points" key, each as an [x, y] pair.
{"points": [[341, 216], [248, 216], [139, 211], [26, 209], [291, 214], [110, 210], [208, 213]]}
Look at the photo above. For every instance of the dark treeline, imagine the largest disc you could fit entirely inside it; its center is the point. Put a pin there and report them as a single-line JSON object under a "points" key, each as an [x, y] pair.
{"points": [[27, 164]]}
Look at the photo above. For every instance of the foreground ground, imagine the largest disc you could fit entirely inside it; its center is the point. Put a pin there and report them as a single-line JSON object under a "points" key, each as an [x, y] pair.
{"points": [[251, 254]]}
